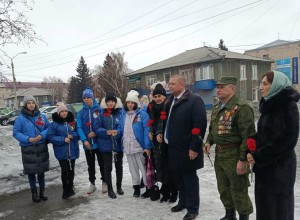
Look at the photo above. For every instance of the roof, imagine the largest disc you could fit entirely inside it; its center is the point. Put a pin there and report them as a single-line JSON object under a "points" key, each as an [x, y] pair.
{"points": [[275, 43], [26, 85], [32, 91], [198, 55]]}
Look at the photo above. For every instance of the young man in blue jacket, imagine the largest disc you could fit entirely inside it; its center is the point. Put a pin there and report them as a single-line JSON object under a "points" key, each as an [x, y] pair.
{"points": [[85, 120]]}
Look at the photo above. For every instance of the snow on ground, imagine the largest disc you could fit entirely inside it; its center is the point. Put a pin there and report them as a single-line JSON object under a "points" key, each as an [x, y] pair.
{"points": [[100, 206]]}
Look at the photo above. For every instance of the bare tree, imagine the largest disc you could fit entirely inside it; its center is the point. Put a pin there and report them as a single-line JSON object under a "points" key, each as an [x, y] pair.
{"points": [[14, 25], [56, 87], [111, 77]]}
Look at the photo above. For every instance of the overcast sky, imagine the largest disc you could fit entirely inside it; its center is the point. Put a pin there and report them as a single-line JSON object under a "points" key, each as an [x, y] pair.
{"points": [[146, 31]]}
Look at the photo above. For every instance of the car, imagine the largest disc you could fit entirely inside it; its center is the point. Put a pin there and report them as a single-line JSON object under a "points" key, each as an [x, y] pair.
{"points": [[73, 107], [46, 109], [4, 118], [11, 121]]}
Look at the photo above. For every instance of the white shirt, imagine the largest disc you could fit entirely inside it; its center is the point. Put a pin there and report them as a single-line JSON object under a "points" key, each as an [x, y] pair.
{"points": [[178, 97]]}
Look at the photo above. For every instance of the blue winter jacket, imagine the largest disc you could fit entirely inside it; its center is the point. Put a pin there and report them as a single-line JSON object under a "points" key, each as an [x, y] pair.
{"points": [[107, 143], [85, 123], [28, 125], [139, 126], [58, 130]]}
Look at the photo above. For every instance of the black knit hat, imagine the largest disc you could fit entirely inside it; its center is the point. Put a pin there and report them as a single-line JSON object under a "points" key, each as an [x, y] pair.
{"points": [[111, 96], [159, 89]]}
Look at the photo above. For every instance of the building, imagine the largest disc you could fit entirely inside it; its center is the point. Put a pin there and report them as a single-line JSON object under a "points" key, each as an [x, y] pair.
{"points": [[57, 91], [42, 96], [201, 67], [285, 56]]}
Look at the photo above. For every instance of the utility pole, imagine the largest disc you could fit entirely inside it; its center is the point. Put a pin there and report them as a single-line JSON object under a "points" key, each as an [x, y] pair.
{"points": [[14, 78]]}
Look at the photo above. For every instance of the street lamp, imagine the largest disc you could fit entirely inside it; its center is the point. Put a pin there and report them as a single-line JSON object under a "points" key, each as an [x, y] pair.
{"points": [[14, 79]]}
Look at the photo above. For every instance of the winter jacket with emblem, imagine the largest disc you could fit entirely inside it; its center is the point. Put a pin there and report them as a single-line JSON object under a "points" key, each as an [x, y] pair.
{"points": [[139, 126], [85, 121], [58, 130], [104, 122]]}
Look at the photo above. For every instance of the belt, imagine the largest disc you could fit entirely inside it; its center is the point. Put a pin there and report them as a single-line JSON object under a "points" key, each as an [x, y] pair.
{"points": [[226, 146]]}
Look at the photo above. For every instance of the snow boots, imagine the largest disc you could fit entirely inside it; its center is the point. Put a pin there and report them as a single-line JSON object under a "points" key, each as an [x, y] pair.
{"points": [[111, 192], [137, 190], [230, 215], [35, 195], [42, 194]]}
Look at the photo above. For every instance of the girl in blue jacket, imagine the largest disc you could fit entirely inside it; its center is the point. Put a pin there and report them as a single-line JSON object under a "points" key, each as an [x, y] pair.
{"points": [[64, 138], [136, 143], [110, 146], [30, 129]]}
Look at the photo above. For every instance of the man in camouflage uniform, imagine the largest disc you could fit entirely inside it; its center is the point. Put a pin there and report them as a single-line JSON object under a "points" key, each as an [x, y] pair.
{"points": [[232, 122]]}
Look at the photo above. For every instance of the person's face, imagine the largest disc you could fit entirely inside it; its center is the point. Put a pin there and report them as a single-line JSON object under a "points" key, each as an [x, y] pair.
{"points": [[264, 87], [30, 105], [63, 113], [130, 105], [225, 91], [88, 101], [111, 104], [158, 99], [176, 86]]}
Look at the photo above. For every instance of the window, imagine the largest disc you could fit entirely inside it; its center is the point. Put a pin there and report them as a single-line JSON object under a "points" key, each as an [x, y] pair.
{"points": [[45, 98], [205, 72], [243, 72], [254, 72], [167, 76], [266, 56], [150, 80], [187, 74]]}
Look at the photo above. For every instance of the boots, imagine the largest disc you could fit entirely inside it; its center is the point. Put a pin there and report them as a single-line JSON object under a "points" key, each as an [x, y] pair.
{"points": [[244, 217], [111, 192], [146, 194], [35, 196], [165, 191], [137, 190], [119, 189], [230, 215], [42, 194], [174, 193]]}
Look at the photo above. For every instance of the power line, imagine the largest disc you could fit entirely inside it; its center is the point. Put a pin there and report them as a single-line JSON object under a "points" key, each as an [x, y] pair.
{"points": [[294, 25], [110, 39], [188, 25]]}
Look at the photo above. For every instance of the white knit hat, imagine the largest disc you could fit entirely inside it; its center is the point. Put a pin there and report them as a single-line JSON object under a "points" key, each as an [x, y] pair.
{"points": [[133, 96]]}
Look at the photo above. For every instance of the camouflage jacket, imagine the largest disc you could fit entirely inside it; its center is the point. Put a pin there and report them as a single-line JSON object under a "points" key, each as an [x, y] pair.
{"points": [[232, 124]]}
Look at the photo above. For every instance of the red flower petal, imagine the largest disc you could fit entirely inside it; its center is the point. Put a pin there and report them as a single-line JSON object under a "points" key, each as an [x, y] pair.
{"points": [[196, 131], [251, 144]]}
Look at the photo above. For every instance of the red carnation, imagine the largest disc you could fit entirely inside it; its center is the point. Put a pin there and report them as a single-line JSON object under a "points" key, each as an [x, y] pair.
{"points": [[251, 144], [195, 131], [150, 123], [88, 124], [163, 115]]}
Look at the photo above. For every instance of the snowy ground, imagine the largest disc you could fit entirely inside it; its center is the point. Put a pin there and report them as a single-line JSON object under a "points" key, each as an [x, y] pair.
{"points": [[100, 206]]}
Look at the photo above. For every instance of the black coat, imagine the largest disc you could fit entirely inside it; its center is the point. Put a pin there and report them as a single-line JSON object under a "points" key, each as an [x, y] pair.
{"points": [[187, 113], [275, 159]]}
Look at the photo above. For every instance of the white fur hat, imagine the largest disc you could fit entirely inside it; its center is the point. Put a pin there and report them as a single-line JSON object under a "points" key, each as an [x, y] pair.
{"points": [[133, 96]]}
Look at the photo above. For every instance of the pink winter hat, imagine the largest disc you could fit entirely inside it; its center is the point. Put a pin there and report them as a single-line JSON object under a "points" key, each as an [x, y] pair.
{"points": [[60, 108]]}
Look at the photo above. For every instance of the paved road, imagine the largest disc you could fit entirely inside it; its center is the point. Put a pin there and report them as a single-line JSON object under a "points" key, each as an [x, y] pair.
{"points": [[20, 206]]}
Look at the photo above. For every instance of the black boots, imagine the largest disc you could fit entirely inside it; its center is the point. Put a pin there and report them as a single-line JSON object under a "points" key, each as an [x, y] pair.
{"points": [[244, 217], [119, 189], [35, 195], [68, 191], [137, 190], [230, 215], [146, 194], [111, 192], [42, 194]]}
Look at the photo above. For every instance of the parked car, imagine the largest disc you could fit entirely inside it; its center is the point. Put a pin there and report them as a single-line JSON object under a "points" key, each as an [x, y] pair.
{"points": [[11, 121], [4, 118], [46, 109], [74, 108]]}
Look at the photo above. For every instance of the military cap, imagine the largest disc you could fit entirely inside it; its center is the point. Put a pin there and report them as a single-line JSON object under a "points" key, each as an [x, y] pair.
{"points": [[227, 80]]}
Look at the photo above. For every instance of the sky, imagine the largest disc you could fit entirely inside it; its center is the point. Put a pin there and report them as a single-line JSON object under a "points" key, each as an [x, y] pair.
{"points": [[145, 31], [100, 206]]}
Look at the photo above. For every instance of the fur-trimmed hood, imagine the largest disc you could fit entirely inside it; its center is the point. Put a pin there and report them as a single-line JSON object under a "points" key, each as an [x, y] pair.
{"points": [[118, 104], [58, 119]]}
